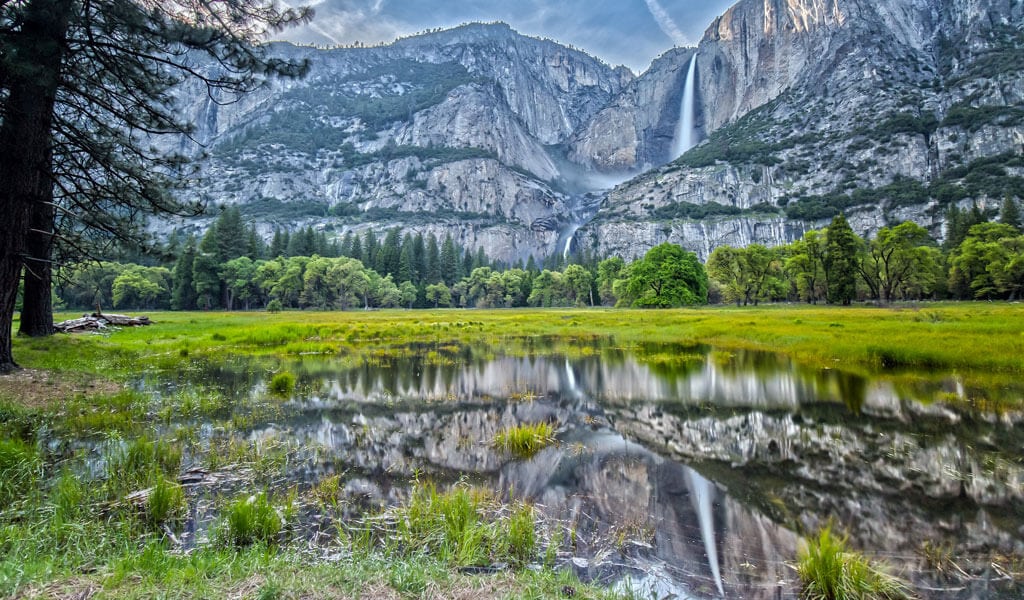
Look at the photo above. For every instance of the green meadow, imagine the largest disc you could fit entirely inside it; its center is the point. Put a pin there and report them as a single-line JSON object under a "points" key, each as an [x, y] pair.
{"points": [[977, 337], [72, 526]]}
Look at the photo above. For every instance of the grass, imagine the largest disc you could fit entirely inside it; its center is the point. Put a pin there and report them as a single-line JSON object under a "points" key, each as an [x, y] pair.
{"points": [[829, 570], [66, 528], [253, 519], [464, 527], [525, 440], [942, 335], [282, 384]]}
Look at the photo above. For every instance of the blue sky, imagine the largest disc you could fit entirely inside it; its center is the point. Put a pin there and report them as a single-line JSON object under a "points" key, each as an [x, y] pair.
{"points": [[629, 32]]}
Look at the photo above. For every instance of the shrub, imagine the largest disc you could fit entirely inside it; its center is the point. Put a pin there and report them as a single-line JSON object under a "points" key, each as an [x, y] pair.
{"points": [[274, 306]]}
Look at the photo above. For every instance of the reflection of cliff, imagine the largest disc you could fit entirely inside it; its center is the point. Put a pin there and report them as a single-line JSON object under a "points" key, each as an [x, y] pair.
{"points": [[632, 511], [894, 488]]}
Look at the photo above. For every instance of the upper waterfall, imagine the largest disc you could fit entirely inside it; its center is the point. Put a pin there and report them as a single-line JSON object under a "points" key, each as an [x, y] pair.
{"points": [[684, 138]]}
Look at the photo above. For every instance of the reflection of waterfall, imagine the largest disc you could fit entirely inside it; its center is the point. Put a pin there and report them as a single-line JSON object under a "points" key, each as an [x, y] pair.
{"points": [[700, 493], [684, 139]]}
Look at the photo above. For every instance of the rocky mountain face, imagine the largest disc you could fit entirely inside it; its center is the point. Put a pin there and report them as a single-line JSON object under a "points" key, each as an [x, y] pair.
{"points": [[450, 132], [887, 110]]}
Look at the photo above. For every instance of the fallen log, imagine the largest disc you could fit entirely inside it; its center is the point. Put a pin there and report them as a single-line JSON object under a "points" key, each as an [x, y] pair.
{"points": [[86, 323], [123, 320], [99, 321]]}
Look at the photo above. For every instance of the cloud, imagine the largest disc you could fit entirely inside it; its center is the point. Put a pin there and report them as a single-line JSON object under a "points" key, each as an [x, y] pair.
{"points": [[667, 25]]}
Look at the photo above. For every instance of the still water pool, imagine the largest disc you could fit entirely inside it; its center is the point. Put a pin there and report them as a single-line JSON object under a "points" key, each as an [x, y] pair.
{"points": [[679, 471]]}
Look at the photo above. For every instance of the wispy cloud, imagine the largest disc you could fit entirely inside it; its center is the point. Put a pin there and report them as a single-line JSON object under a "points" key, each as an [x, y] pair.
{"points": [[665, 22]]}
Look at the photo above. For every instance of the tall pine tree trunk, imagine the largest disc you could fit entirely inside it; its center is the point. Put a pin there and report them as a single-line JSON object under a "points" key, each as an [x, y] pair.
{"points": [[25, 166], [37, 297]]}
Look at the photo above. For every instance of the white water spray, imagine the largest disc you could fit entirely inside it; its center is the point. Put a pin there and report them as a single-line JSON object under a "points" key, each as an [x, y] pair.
{"points": [[684, 139], [701, 491]]}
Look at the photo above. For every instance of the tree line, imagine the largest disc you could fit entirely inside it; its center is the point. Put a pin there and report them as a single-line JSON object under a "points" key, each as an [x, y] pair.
{"points": [[978, 260], [232, 268]]}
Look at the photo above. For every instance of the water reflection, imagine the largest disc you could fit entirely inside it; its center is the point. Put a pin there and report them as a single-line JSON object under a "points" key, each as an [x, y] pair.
{"points": [[686, 471]]}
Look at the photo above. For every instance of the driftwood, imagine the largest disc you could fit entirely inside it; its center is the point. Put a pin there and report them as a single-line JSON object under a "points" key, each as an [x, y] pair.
{"points": [[98, 322]]}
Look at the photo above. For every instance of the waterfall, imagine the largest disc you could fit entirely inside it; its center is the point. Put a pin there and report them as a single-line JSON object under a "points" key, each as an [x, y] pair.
{"points": [[701, 491], [684, 132], [568, 241]]}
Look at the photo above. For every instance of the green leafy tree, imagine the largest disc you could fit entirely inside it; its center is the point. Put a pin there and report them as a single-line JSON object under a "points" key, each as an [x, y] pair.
{"points": [[239, 276], [89, 285], [439, 294], [667, 276], [351, 283], [547, 289], [975, 264], [577, 283], [608, 271], [805, 266], [407, 291], [895, 257], [140, 287]]}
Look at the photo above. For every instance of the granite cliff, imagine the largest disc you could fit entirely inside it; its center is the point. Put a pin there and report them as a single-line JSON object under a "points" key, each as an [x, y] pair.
{"points": [[887, 110]]}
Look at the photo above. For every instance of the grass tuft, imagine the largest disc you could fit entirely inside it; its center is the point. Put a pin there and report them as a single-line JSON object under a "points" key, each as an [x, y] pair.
{"points": [[166, 502], [525, 440], [252, 519], [829, 570], [282, 384]]}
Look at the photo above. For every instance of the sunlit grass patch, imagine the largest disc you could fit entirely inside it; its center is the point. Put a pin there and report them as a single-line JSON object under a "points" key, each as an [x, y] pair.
{"points": [[525, 440], [829, 570]]}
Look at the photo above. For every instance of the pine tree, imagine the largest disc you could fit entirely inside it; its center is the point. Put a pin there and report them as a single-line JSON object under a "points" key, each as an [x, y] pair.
{"points": [[432, 261], [346, 244], [371, 250], [1009, 214], [278, 245], [449, 261], [390, 256], [357, 250], [183, 295], [231, 237], [407, 261], [419, 258], [91, 76]]}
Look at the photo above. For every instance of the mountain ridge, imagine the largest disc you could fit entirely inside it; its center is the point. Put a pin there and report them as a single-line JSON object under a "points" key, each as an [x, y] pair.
{"points": [[497, 138]]}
